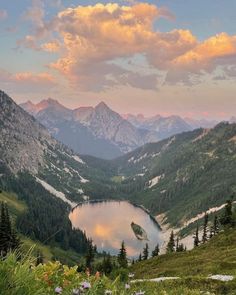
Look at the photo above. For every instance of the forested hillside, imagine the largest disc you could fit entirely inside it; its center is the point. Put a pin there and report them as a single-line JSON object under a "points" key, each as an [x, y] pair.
{"points": [[183, 175]]}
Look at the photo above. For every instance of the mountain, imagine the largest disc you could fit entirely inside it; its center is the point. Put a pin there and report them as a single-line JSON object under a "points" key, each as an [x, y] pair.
{"points": [[97, 131], [162, 126], [167, 126], [182, 176], [202, 123], [46, 175]]}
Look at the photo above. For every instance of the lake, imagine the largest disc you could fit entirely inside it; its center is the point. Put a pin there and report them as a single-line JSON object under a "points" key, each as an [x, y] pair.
{"points": [[109, 223]]}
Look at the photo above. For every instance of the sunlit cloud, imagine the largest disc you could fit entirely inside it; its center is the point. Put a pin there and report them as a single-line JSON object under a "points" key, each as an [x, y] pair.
{"points": [[27, 80], [91, 38]]}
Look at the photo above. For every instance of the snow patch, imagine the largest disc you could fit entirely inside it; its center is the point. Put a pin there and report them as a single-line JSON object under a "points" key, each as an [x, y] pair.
{"points": [[67, 170], [204, 133], [140, 158], [131, 159], [78, 159], [222, 278], [155, 155], [156, 280], [155, 180], [201, 215], [165, 147], [56, 193]]}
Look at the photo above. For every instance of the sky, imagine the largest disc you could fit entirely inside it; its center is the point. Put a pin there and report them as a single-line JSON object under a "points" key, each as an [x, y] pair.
{"points": [[151, 57]]}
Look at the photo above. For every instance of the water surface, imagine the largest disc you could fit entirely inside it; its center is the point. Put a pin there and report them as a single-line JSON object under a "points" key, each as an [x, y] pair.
{"points": [[109, 223]]}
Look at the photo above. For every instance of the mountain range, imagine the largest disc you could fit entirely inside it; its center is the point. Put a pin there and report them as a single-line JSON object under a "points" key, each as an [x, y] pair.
{"points": [[101, 132], [178, 178]]}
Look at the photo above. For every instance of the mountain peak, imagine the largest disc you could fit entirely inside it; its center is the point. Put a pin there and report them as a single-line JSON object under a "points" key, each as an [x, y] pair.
{"points": [[102, 106], [49, 102]]}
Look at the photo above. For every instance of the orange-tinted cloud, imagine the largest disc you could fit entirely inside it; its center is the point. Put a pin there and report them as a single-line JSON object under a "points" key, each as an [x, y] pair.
{"points": [[27, 80], [52, 46], [92, 38], [202, 56], [44, 78]]}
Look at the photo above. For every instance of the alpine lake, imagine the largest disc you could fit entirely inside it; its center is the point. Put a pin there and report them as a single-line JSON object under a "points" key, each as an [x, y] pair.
{"points": [[108, 223]]}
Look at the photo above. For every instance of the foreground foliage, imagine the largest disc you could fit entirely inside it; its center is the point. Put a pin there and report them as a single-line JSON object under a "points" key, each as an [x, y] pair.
{"points": [[22, 277]]}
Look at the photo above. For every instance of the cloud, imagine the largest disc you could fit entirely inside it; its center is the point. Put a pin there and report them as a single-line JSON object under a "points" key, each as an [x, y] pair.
{"points": [[91, 38], [3, 14], [53, 46], [27, 81]]}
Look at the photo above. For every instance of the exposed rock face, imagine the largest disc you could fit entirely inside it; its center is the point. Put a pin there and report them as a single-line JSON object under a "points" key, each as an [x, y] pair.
{"points": [[22, 139]]}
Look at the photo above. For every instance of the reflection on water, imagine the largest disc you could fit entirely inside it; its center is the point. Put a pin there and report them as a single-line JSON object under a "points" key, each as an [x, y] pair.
{"points": [[109, 223]]}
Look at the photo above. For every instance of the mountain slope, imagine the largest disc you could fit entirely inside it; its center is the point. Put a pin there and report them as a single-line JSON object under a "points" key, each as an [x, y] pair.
{"points": [[183, 175], [207, 269], [46, 175]]}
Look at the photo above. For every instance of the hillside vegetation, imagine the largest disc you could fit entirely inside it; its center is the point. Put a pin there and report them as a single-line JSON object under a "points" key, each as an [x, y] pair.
{"points": [[218, 256], [182, 176], [192, 269]]}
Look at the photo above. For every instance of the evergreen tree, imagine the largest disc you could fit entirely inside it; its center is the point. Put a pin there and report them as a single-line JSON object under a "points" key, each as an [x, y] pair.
{"points": [[216, 225], [4, 237], [180, 248], [122, 256], [107, 265], [15, 241], [177, 243], [140, 257], [227, 217], [145, 252], [205, 229], [196, 237], [171, 244], [156, 251], [8, 238], [90, 254]]}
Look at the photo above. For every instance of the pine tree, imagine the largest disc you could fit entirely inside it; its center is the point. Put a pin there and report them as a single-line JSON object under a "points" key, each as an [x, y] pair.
{"points": [[196, 237], [4, 237], [8, 237], [15, 241], [122, 256], [107, 265], [227, 217], [180, 248], [156, 251], [90, 254], [216, 227], [205, 229], [145, 252], [140, 257], [171, 244]]}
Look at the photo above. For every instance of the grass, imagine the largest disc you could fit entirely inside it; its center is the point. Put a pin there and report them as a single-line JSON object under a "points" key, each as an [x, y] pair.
{"points": [[16, 207], [218, 256], [21, 277]]}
